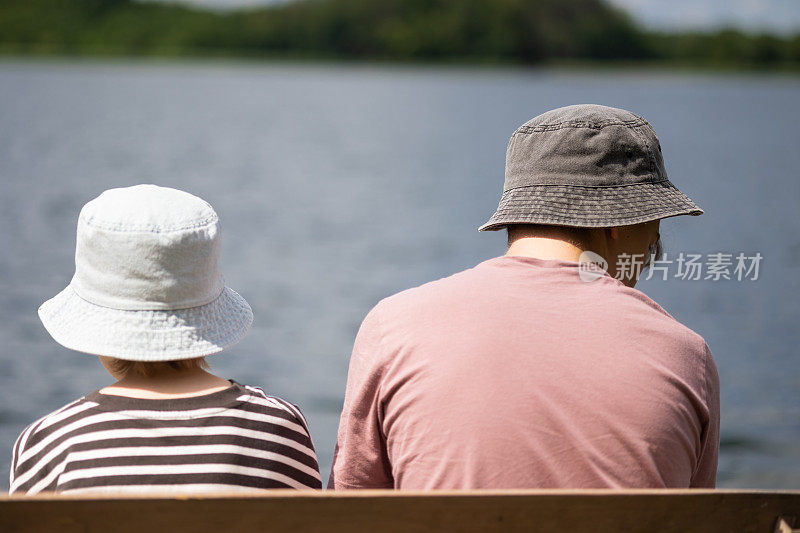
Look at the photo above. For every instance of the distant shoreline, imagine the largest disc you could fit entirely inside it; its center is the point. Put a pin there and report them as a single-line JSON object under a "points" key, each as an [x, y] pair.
{"points": [[654, 67], [565, 33]]}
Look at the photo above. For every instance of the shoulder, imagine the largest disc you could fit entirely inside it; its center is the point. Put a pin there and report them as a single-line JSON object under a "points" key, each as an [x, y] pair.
{"points": [[679, 331], [28, 456], [401, 312], [274, 405], [664, 332], [51, 422], [443, 289]]}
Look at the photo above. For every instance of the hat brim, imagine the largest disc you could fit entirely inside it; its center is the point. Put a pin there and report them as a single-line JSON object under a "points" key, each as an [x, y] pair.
{"points": [[590, 207], [146, 335]]}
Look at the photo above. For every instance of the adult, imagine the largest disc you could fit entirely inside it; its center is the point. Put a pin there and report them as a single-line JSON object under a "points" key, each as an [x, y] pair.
{"points": [[536, 369]]}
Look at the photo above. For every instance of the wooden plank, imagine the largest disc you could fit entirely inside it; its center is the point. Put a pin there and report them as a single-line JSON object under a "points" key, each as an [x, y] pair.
{"points": [[389, 511]]}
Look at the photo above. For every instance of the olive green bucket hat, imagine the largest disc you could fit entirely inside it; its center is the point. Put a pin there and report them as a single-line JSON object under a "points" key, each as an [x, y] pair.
{"points": [[587, 166]]}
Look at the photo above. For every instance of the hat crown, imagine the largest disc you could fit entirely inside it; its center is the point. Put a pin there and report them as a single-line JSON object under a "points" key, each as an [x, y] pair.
{"points": [[584, 113], [584, 145], [148, 248], [143, 208]]}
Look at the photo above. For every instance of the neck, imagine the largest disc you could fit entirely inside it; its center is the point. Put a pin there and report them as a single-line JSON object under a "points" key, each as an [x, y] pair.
{"points": [[180, 384], [545, 248], [554, 242]]}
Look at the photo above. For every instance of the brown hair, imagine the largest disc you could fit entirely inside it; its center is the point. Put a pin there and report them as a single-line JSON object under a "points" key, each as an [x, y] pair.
{"points": [[126, 368]]}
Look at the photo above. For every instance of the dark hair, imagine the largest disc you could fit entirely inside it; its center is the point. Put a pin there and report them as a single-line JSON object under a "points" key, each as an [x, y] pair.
{"points": [[125, 368], [655, 252]]}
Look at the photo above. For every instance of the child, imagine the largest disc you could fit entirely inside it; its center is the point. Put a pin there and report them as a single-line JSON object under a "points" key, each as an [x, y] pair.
{"points": [[148, 298]]}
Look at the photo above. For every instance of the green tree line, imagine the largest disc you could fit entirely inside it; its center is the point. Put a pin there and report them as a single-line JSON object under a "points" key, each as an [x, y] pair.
{"points": [[520, 31]]}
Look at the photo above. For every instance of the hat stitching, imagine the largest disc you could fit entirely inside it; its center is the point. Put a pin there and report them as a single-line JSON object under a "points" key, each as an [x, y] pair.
{"points": [[600, 216], [516, 202], [124, 227], [567, 192], [597, 212], [601, 210], [577, 204], [549, 216], [499, 223], [620, 185], [560, 195], [516, 196], [211, 300], [581, 124]]}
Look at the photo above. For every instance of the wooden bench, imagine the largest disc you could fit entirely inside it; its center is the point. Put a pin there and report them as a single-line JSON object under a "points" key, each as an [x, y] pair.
{"points": [[598, 511]]}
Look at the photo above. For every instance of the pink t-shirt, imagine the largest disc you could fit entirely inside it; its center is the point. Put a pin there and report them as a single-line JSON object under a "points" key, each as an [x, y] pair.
{"points": [[517, 374]]}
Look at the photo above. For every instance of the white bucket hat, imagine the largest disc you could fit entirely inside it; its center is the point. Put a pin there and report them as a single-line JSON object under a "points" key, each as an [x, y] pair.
{"points": [[147, 285]]}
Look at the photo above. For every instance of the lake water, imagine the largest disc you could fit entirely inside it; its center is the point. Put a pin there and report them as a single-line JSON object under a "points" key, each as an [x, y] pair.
{"points": [[339, 185]]}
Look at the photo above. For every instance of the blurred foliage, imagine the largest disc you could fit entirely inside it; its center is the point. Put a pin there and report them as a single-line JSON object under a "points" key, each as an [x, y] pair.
{"points": [[730, 47], [524, 31]]}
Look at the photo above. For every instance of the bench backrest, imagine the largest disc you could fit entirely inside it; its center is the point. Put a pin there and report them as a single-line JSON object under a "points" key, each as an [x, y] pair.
{"points": [[599, 511]]}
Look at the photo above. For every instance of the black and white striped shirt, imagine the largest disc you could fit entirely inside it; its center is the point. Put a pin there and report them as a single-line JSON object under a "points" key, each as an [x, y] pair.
{"points": [[238, 438]]}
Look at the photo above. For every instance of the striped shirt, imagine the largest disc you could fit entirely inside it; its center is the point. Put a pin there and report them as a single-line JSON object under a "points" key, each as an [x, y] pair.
{"points": [[237, 438]]}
